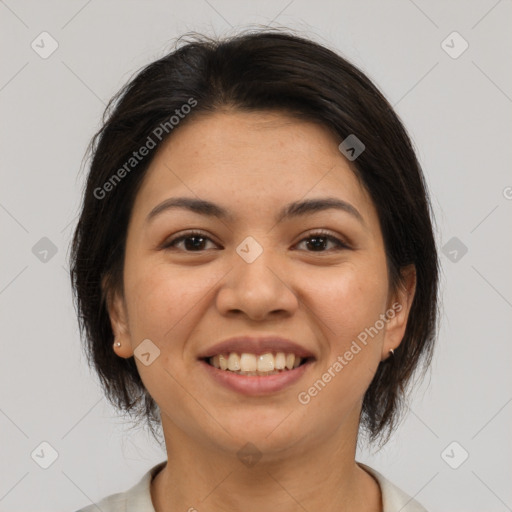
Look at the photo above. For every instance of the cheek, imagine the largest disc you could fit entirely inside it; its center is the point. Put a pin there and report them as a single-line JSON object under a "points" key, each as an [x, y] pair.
{"points": [[347, 305], [163, 300], [349, 299]]}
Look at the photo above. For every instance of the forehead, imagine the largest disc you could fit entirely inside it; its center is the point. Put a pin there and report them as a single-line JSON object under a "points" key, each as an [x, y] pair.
{"points": [[257, 161]]}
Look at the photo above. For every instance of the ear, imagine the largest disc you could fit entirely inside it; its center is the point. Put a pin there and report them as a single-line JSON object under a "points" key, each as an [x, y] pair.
{"points": [[398, 310], [116, 309]]}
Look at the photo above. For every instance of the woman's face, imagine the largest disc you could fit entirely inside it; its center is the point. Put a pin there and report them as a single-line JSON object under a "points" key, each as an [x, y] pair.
{"points": [[254, 273]]}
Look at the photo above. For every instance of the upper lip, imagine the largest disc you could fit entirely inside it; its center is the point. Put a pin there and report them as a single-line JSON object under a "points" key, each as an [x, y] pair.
{"points": [[256, 345]]}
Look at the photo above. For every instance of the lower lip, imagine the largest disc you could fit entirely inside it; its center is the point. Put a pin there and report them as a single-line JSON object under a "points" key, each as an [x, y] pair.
{"points": [[256, 385]]}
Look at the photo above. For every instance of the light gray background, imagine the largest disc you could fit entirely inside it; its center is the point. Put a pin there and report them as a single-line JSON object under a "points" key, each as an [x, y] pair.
{"points": [[458, 112]]}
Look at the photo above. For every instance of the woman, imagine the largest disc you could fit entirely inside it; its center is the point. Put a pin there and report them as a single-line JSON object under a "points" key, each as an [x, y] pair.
{"points": [[255, 269]]}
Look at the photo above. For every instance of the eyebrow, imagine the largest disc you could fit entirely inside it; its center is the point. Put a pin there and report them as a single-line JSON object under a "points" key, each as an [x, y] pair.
{"points": [[291, 210]]}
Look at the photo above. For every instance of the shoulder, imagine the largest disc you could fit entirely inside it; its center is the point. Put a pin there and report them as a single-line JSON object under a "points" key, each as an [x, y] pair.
{"points": [[113, 503], [393, 498], [136, 499]]}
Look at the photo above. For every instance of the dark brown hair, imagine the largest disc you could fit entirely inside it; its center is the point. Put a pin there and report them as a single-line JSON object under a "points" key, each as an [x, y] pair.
{"points": [[262, 70]]}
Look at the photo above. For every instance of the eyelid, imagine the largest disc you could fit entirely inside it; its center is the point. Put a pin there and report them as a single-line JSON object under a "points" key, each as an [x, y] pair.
{"points": [[340, 241], [166, 244]]}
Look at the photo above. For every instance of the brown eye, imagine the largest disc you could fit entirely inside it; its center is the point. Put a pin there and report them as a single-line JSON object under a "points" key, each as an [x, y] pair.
{"points": [[193, 242], [317, 242]]}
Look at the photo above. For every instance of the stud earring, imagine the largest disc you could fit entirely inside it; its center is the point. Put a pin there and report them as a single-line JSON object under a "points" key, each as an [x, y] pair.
{"points": [[392, 352]]}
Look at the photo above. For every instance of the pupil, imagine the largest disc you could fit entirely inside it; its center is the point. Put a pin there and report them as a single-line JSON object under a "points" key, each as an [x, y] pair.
{"points": [[316, 244], [194, 245]]}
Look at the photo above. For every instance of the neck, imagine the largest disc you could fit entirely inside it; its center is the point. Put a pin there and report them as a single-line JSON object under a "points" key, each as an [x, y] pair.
{"points": [[202, 478]]}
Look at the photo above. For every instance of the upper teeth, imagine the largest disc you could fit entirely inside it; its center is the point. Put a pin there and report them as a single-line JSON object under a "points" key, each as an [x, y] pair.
{"points": [[252, 363]]}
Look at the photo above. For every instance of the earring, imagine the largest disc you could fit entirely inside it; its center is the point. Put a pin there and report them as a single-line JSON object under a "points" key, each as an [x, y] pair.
{"points": [[392, 352], [118, 344]]}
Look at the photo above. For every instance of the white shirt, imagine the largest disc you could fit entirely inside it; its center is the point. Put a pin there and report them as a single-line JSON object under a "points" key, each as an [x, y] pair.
{"points": [[138, 497]]}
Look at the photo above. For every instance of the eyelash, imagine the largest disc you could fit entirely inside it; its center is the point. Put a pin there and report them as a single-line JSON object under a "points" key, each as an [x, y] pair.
{"points": [[316, 234]]}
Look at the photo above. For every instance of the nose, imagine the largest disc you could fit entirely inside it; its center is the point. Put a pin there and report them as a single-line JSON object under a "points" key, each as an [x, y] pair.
{"points": [[258, 289]]}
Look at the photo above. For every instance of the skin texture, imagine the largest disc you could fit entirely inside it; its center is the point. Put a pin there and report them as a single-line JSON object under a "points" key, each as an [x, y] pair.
{"points": [[184, 302]]}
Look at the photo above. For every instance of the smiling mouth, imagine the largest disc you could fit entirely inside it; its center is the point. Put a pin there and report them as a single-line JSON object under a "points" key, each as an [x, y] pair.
{"points": [[257, 365]]}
